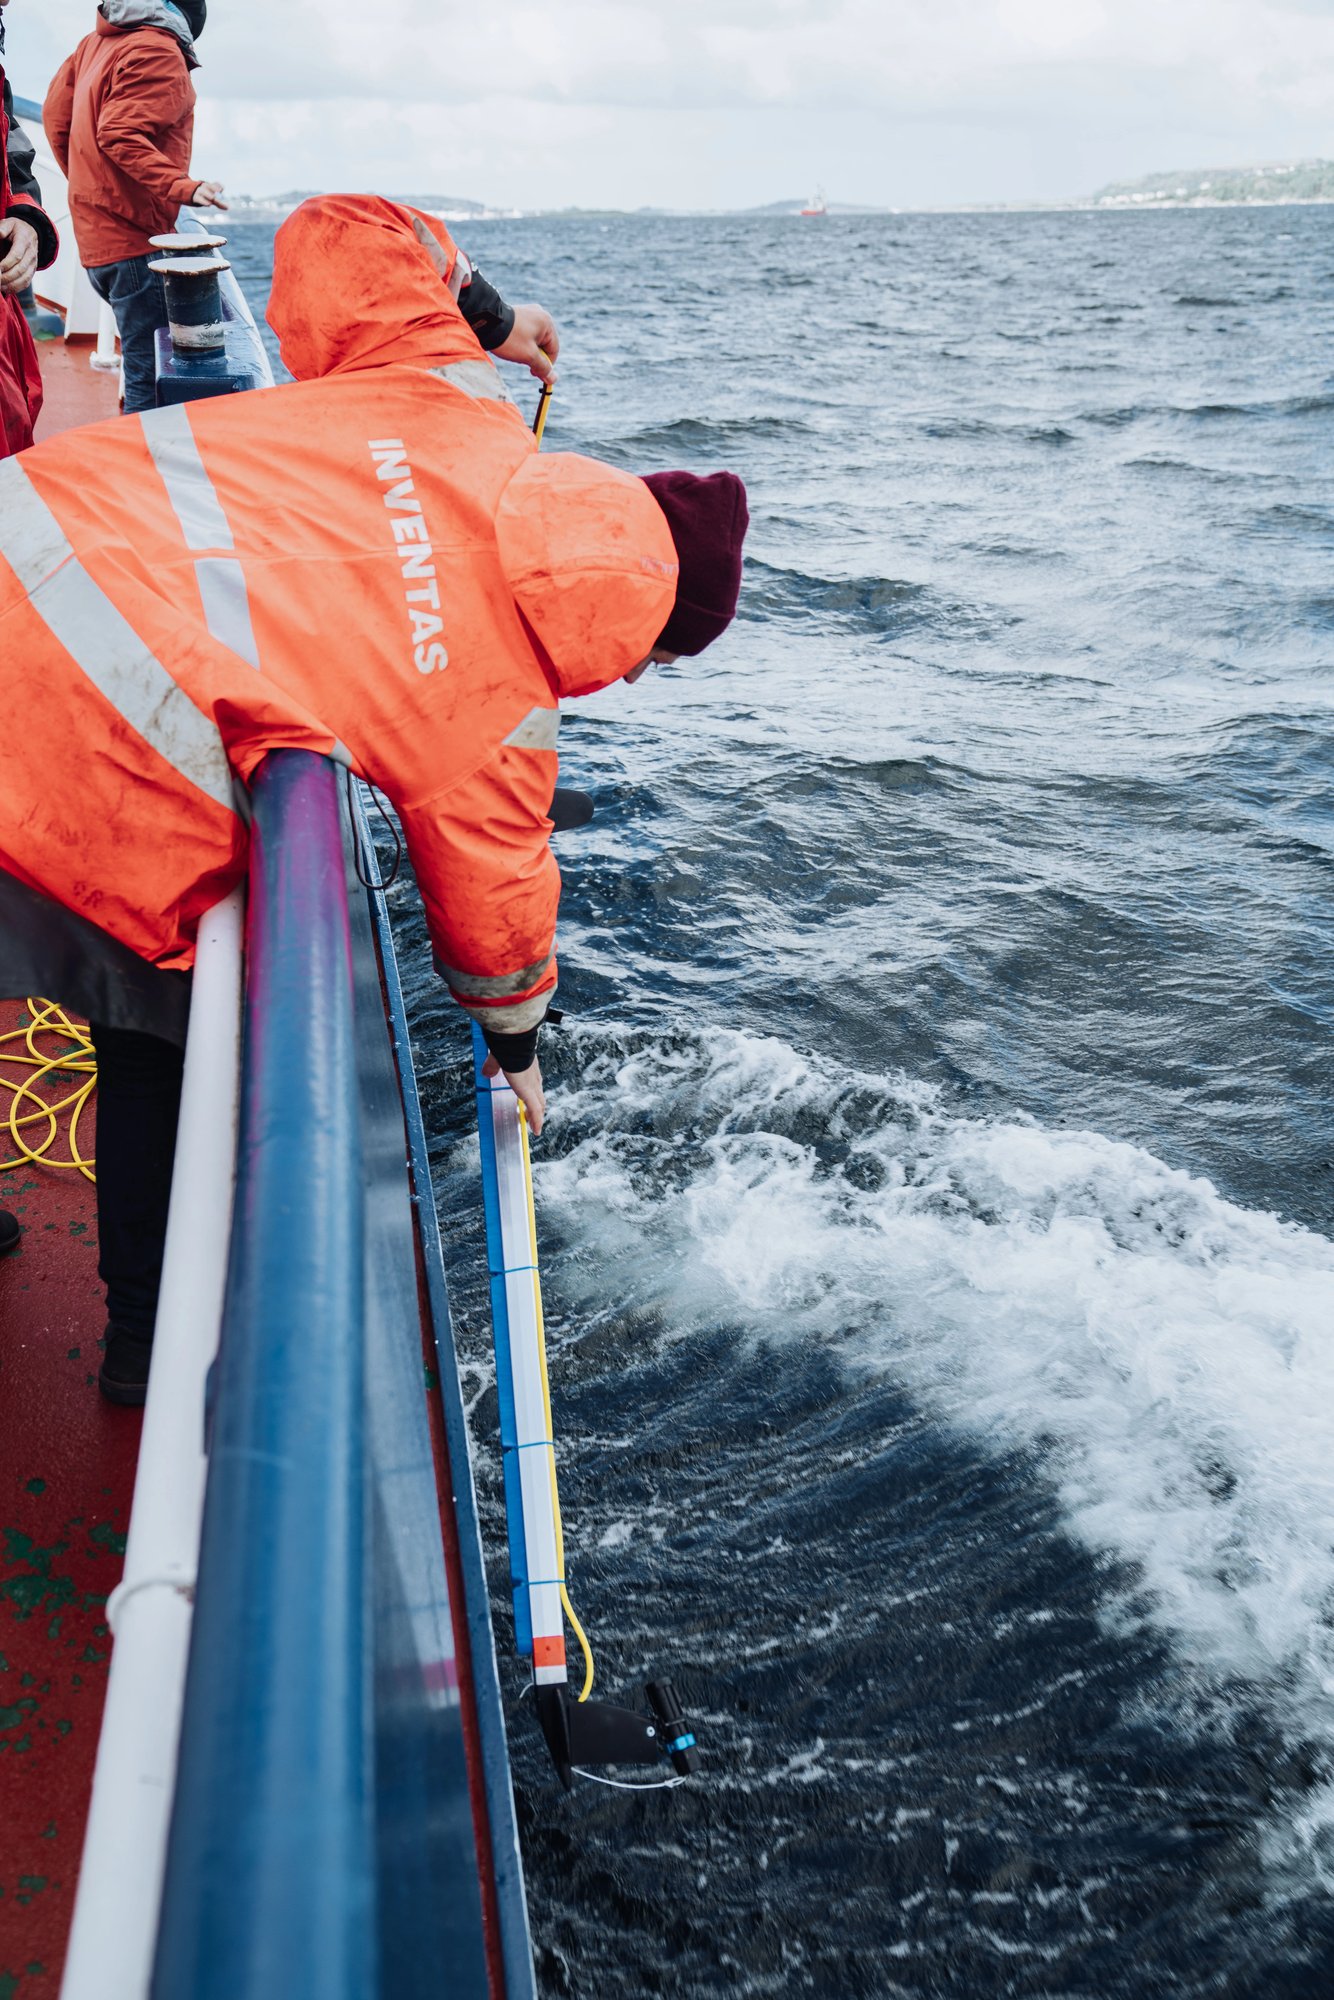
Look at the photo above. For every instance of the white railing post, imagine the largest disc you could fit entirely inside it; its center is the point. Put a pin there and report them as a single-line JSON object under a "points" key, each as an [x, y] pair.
{"points": [[104, 355], [120, 1882]]}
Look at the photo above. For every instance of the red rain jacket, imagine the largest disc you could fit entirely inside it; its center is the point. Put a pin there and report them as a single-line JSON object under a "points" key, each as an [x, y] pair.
{"points": [[119, 116], [372, 562], [20, 377]]}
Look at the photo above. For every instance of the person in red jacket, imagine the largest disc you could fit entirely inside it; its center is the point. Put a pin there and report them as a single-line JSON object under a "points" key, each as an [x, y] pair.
{"points": [[28, 243], [373, 563], [119, 116]]}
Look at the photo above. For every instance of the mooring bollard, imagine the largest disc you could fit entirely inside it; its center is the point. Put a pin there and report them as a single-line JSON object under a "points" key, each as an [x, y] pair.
{"points": [[210, 346], [194, 302]]}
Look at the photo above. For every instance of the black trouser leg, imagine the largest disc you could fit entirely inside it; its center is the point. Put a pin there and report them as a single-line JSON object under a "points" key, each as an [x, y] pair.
{"points": [[138, 1103]]}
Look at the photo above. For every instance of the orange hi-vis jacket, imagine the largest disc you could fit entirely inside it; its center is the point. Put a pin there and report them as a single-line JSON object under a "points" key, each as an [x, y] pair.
{"points": [[372, 562]]}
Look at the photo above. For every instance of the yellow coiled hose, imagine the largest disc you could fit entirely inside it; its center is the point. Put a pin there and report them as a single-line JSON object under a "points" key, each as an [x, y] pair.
{"points": [[73, 1059]]}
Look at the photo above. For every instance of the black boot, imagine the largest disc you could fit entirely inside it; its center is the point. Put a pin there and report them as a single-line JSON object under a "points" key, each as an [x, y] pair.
{"points": [[9, 1231], [124, 1372]]}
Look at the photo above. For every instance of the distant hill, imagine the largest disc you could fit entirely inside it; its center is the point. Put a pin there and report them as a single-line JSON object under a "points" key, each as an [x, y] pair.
{"points": [[1194, 187], [451, 204], [1203, 187], [273, 207], [265, 207], [795, 206]]}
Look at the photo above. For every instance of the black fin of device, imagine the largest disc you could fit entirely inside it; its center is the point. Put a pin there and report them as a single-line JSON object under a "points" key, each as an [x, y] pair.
{"points": [[569, 809], [600, 1732]]}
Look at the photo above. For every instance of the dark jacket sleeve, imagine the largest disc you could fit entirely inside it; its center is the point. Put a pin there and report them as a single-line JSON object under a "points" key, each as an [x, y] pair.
{"points": [[486, 312], [25, 197], [514, 1053]]}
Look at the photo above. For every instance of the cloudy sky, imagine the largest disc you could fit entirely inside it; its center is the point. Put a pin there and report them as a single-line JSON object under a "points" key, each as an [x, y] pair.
{"points": [[720, 103]]}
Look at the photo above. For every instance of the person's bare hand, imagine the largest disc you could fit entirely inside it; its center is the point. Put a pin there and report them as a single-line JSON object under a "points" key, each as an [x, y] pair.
{"points": [[533, 342], [19, 245], [208, 195], [527, 1087], [659, 657]]}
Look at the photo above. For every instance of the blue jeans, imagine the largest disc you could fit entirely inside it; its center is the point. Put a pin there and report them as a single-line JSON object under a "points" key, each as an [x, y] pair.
{"points": [[136, 297]]}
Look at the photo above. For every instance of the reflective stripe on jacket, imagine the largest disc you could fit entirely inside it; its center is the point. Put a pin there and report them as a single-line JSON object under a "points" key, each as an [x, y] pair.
{"points": [[377, 566]]}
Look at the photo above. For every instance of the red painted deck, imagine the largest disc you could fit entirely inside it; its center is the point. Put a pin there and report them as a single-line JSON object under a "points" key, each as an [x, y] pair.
{"points": [[66, 1476], [76, 393]]}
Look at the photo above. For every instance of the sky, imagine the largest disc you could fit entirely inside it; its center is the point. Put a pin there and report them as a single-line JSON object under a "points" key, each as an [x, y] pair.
{"points": [[733, 103]]}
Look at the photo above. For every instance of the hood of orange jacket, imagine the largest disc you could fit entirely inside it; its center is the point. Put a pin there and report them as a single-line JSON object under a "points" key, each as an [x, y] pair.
{"points": [[355, 287], [586, 550], [591, 564]]}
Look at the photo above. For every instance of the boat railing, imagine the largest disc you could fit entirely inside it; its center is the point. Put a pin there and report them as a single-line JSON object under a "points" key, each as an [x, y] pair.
{"points": [[334, 1801], [269, 1883], [342, 1823], [115, 1918]]}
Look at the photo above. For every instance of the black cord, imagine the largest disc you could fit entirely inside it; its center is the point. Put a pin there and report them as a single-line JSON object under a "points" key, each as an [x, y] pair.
{"points": [[385, 881]]}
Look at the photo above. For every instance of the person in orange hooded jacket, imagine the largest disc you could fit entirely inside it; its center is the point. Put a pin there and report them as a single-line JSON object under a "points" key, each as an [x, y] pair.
{"points": [[372, 562]]}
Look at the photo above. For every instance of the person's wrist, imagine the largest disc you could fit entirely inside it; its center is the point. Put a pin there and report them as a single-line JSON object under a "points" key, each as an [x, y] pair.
{"points": [[514, 1053], [42, 227]]}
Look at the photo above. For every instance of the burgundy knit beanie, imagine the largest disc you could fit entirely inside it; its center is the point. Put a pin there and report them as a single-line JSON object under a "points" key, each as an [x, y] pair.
{"points": [[708, 519]]}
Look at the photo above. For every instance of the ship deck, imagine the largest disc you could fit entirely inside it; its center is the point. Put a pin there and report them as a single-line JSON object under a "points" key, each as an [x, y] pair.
{"points": [[68, 1476]]}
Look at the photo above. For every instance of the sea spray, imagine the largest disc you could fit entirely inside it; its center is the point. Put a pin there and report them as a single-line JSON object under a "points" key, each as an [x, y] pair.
{"points": [[1164, 1354]]}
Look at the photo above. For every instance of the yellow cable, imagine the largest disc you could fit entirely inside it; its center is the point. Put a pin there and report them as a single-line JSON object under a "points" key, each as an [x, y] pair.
{"points": [[77, 1060], [543, 406], [566, 1605]]}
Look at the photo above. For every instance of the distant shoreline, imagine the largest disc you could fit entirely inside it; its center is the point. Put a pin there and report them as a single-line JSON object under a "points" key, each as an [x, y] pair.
{"points": [[1277, 184], [245, 209]]}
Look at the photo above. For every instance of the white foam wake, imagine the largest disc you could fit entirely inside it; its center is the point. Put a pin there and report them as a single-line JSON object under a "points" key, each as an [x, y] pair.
{"points": [[1168, 1354]]}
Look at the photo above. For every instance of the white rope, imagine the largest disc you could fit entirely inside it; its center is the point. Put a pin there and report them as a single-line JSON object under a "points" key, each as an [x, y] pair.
{"points": [[618, 1785]]}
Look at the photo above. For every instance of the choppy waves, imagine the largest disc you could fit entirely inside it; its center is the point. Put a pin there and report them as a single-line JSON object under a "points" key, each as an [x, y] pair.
{"points": [[1165, 1354], [938, 1397]]}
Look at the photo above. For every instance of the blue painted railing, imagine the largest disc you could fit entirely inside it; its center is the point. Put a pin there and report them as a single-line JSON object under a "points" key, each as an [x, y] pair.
{"points": [[325, 1836], [269, 1883], [500, 1835]]}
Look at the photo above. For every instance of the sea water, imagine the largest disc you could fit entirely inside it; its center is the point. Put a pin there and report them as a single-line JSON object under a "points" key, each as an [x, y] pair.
{"points": [[937, 1199]]}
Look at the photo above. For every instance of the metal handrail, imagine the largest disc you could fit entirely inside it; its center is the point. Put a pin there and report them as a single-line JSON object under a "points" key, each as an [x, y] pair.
{"points": [[114, 1931], [509, 1945], [270, 1878]]}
